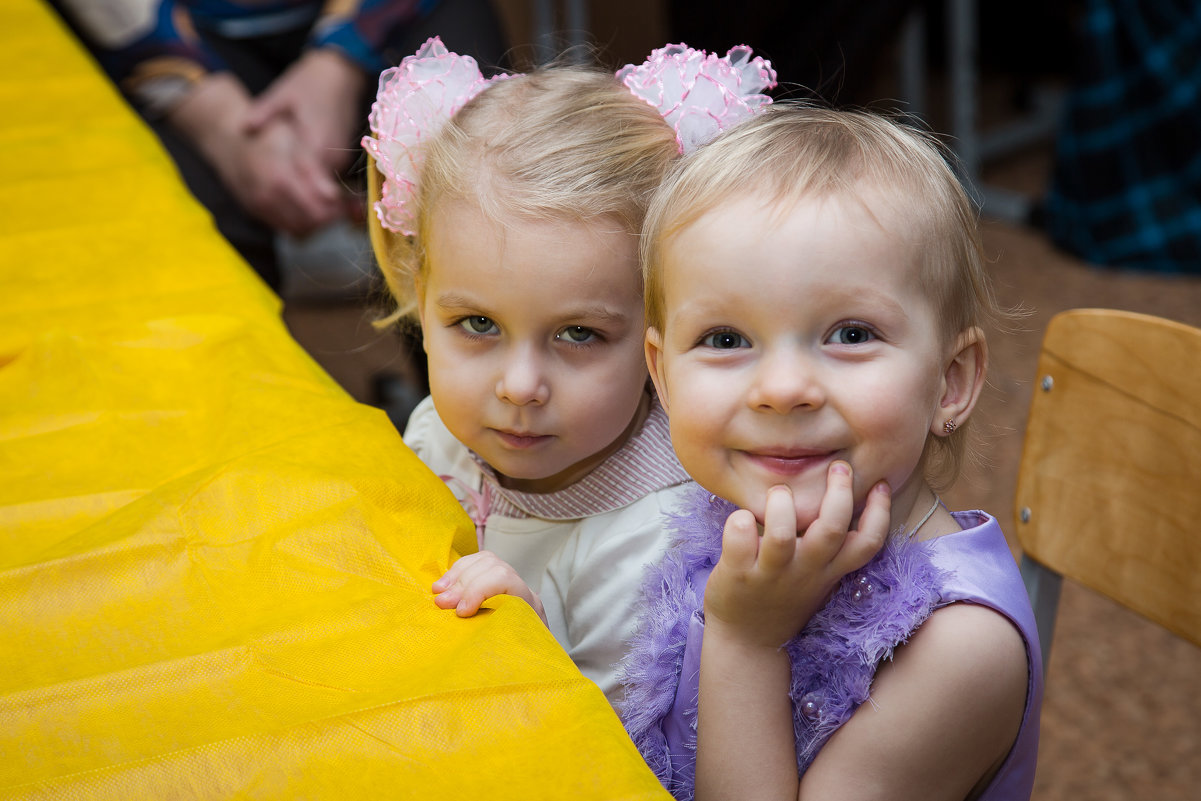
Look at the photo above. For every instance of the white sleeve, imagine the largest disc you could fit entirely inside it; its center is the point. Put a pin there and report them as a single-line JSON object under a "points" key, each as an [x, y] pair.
{"points": [[419, 429], [427, 436], [593, 586]]}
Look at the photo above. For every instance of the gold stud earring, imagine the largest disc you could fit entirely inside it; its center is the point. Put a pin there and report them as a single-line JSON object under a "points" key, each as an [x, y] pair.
{"points": [[949, 426]]}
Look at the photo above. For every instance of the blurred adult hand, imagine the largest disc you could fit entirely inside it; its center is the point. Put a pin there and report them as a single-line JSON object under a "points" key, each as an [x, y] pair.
{"points": [[272, 168], [319, 95]]}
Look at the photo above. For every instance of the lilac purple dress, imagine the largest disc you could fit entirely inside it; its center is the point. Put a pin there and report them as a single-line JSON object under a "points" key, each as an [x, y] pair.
{"points": [[835, 657]]}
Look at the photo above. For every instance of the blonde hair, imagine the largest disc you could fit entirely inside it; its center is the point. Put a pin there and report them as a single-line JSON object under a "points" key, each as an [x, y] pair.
{"points": [[792, 151], [565, 142]]}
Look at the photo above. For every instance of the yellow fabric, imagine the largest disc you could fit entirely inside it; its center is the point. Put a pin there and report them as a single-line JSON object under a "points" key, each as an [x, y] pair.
{"points": [[214, 565]]}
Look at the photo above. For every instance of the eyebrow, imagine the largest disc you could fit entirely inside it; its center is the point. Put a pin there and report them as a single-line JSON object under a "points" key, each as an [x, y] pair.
{"points": [[455, 300], [600, 314], [863, 295], [591, 313], [701, 309]]}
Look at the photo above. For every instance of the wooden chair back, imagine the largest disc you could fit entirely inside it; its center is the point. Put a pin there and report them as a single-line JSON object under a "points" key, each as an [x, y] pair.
{"points": [[1109, 486]]}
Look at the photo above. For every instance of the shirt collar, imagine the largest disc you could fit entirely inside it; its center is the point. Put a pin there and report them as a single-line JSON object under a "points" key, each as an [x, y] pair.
{"points": [[644, 464]]}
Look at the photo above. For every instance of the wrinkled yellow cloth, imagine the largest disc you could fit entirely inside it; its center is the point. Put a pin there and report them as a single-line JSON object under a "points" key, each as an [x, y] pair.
{"points": [[214, 565]]}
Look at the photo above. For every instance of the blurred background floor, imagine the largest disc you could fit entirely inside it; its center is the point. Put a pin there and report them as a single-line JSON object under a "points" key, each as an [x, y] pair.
{"points": [[1122, 718]]}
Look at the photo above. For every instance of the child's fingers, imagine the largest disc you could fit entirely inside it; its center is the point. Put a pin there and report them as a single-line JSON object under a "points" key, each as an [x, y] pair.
{"points": [[477, 577], [448, 599], [453, 572], [828, 533], [740, 541], [460, 568], [495, 579], [449, 588], [838, 504], [877, 512], [472, 599], [469, 592], [476, 574], [779, 543], [869, 538]]}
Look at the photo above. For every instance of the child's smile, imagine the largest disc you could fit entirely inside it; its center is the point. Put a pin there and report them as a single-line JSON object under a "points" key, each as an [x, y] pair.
{"points": [[788, 462]]}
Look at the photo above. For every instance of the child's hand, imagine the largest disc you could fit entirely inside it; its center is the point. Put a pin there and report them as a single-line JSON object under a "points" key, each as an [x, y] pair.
{"points": [[764, 589], [477, 577]]}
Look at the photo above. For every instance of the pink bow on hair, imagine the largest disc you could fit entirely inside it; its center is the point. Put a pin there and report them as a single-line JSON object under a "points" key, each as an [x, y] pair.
{"points": [[414, 101], [699, 94]]}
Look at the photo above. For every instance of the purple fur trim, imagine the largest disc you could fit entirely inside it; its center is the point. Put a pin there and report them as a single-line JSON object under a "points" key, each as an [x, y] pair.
{"points": [[651, 669], [834, 658]]}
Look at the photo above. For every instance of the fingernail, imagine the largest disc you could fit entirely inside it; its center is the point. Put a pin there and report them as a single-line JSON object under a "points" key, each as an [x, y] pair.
{"points": [[883, 488], [841, 468]]}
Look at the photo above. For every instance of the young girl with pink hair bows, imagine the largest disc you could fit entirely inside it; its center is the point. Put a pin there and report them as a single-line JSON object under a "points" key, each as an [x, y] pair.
{"points": [[507, 227]]}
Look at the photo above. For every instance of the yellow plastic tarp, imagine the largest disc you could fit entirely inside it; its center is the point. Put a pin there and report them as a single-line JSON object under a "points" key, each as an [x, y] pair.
{"points": [[214, 565]]}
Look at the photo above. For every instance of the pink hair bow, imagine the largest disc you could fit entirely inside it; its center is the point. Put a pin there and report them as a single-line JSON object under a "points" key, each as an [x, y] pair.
{"points": [[414, 101], [699, 93]]}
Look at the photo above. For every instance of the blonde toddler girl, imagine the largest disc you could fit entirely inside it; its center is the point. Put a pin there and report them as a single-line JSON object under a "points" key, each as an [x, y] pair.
{"points": [[508, 227], [822, 627]]}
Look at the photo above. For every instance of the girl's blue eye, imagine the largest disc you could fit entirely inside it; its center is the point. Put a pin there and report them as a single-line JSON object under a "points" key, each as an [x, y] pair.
{"points": [[851, 335], [576, 334], [478, 324], [725, 340]]}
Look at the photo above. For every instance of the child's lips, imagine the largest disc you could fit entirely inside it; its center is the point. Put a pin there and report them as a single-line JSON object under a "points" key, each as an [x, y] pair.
{"points": [[789, 462], [521, 440]]}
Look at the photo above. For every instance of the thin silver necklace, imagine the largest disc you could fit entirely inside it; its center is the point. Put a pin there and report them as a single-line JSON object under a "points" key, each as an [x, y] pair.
{"points": [[926, 517]]}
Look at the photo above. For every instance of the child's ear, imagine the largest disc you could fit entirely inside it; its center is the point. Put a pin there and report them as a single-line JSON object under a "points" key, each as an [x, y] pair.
{"points": [[962, 380], [654, 363]]}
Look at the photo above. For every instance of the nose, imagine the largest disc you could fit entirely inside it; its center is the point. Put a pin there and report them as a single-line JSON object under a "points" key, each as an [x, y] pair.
{"points": [[523, 378], [786, 379]]}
